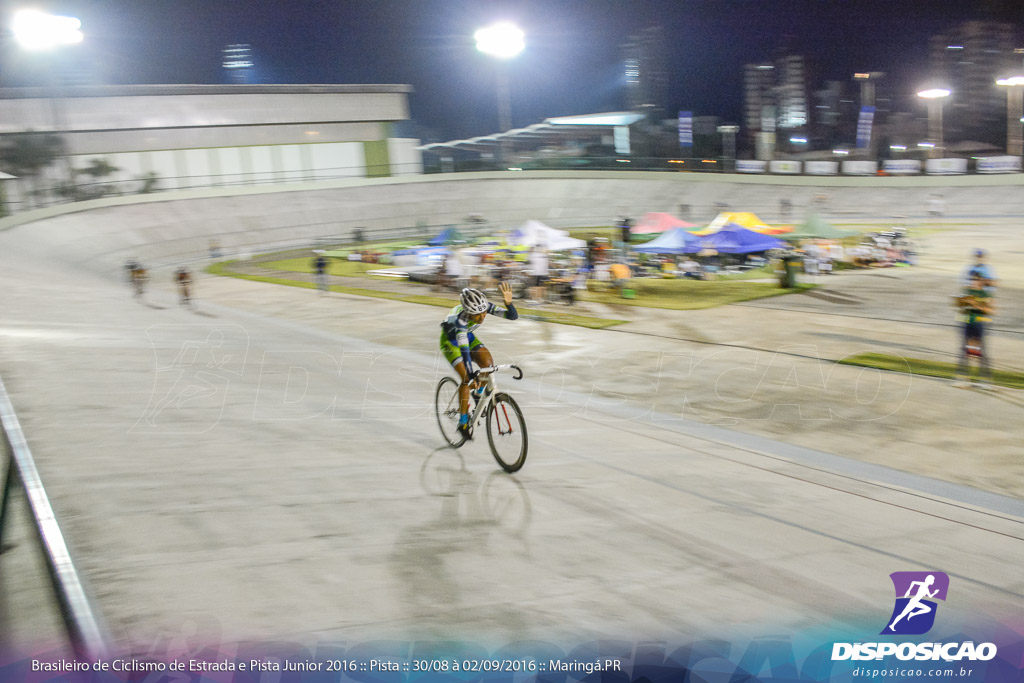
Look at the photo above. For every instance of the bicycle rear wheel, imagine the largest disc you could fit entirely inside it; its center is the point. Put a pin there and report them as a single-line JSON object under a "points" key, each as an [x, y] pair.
{"points": [[446, 407], [506, 433]]}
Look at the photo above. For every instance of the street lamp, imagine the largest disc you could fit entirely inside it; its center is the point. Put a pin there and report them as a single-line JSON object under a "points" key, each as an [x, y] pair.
{"points": [[1014, 111], [934, 96]]}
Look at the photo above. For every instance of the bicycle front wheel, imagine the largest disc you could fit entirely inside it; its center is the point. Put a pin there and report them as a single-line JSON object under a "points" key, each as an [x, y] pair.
{"points": [[506, 432], [446, 407]]}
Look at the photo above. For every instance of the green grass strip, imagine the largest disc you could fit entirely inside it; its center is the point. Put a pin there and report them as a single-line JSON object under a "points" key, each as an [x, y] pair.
{"points": [[691, 295], [927, 368], [559, 317]]}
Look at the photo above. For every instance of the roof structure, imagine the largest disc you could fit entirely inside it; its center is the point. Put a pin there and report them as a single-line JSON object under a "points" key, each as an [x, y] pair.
{"points": [[538, 130]]}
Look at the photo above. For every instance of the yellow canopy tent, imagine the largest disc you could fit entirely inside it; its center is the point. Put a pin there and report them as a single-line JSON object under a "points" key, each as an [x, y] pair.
{"points": [[744, 219]]}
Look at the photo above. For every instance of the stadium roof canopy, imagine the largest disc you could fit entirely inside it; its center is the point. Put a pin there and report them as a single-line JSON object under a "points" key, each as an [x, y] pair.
{"points": [[539, 131]]}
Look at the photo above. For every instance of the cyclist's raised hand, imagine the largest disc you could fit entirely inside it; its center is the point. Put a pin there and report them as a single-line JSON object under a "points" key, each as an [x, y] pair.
{"points": [[506, 293]]}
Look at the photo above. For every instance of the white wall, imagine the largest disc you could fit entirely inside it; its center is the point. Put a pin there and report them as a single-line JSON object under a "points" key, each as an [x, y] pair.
{"points": [[405, 158], [176, 226], [229, 166]]}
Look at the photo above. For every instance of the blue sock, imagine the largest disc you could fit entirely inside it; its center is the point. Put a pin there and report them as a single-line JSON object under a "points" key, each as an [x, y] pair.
{"points": [[464, 419]]}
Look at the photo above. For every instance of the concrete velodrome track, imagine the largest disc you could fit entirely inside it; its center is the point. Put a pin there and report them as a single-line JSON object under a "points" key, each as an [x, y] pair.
{"points": [[266, 466]]}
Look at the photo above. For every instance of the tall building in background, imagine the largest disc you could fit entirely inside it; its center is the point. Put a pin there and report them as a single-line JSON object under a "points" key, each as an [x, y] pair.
{"points": [[968, 59], [238, 64], [758, 94], [774, 98], [646, 71], [791, 91]]}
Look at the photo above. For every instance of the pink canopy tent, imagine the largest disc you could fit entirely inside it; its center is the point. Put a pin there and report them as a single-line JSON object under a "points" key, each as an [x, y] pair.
{"points": [[659, 222]]}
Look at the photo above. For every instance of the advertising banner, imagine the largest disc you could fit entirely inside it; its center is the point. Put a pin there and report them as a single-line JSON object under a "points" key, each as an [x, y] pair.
{"points": [[821, 167], [785, 166], [860, 167], [946, 166], [686, 128], [864, 123], [901, 166], [751, 166], [1001, 164]]}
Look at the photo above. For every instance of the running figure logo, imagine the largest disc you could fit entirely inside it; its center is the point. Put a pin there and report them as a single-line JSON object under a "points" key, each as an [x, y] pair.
{"points": [[916, 592]]}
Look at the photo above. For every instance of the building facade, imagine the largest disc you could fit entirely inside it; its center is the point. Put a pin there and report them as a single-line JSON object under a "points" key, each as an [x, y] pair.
{"points": [[646, 73], [968, 59], [170, 137]]}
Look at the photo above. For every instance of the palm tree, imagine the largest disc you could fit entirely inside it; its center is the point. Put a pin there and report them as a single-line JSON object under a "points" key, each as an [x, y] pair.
{"points": [[27, 154], [97, 169]]}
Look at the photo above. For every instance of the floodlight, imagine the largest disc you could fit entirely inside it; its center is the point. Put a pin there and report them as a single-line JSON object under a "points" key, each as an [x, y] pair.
{"points": [[502, 40], [35, 30]]}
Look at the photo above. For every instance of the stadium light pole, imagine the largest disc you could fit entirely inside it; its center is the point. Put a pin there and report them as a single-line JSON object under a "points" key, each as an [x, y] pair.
{"points": [[37, 31], [503, 41], [1014, 114], [935, 97]]}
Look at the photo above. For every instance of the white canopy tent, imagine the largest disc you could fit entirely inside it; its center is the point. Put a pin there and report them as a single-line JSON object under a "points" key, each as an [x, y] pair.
{"points": [[532, 233]]}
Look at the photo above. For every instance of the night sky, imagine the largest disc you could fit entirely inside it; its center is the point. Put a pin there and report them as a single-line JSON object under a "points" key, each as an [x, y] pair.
{"points": [[571, 64]]}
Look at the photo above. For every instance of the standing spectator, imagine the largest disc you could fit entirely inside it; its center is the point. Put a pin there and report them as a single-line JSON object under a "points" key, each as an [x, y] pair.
{"points": [[976, 308], [983, 270], [453, 270], [538, 269], [183, 278], [784, 208], [320, 268], [627, 231]]}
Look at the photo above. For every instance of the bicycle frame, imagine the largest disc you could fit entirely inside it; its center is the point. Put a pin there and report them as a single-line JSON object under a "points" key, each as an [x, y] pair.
{"points": [[490, 390]]}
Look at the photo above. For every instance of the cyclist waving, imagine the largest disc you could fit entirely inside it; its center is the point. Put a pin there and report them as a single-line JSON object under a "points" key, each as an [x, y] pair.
{"points": [[461, 347]]}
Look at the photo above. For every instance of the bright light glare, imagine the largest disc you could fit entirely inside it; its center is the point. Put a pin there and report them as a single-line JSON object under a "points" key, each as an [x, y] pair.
{"points": [[798, 140], [500, 40], [1016, 80], [841, 152], [35, 30], [933, 93], [926, 144], [898, 147]]}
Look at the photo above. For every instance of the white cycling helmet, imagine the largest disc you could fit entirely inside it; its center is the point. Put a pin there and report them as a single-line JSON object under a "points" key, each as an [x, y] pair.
{"points": [[473, 301]]}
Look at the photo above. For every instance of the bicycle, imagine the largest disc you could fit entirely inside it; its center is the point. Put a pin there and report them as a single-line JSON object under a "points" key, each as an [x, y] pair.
{"points": [[506, 427]]}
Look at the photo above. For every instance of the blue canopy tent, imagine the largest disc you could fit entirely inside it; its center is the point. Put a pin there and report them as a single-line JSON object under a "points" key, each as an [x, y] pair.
{"points": [[735, 239], [447, 236], [674, 241]]}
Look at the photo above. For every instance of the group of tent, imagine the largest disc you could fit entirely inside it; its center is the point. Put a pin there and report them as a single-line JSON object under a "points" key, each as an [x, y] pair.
{"points": [[729, 233], [529, 234]]}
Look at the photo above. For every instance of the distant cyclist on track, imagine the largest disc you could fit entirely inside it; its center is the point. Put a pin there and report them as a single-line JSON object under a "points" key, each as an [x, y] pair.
{"points": [[461, 348]]}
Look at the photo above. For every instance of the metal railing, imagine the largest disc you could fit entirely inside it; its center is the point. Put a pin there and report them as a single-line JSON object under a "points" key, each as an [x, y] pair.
{"points": [[37, 193], [84, 627]]}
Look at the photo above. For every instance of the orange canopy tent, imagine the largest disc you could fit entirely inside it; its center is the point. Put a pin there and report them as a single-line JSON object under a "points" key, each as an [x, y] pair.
{"points": [[744, 219], [659, 222]]}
